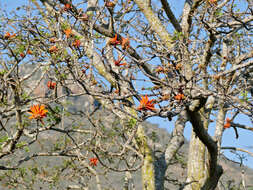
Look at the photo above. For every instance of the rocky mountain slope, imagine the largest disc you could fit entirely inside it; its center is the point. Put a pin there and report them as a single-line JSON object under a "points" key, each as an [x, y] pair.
{"points": [[232, 178]]}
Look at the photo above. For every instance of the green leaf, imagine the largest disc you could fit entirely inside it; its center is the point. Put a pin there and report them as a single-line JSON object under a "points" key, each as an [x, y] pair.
{"points": [[26, 148], [21, 144], [132, 122], [4, 139]]}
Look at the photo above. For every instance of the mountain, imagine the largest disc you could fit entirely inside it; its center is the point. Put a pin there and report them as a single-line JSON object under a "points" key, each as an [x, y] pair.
{"points": [[51, 172]]}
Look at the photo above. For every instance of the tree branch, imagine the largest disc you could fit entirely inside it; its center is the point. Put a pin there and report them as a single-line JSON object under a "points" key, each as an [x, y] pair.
{"points": [[237, 149], [155, 23], [171, 16]]}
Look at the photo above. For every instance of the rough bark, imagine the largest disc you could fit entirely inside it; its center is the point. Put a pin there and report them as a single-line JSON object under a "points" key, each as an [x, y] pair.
{"points": [[155, 23]]}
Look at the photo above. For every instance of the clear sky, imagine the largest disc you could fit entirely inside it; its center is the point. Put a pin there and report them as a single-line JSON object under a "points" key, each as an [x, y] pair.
{"points": [[245, 137]]}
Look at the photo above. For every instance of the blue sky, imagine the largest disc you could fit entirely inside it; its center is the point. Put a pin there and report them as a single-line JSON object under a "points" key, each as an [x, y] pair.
{"points": [[245, 137]]}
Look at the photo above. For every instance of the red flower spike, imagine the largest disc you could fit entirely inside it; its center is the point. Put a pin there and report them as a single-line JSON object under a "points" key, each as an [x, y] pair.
{"points": [[51, 85], [93, 161], [146, 104], [117, 62]]}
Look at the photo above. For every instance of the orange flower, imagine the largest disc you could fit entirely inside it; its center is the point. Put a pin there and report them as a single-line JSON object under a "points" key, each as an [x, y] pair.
{"points": [[125, 44], [216, 77], [13, 35], [7, 35], [117, 63], [68, 32], [110, 4], [53, 49], [76, 43], [227, 124], [146, 104], [116, 91], [66, 7], [52, 40], [29, 52], [114, 41], [93, 161], [159, 69], [51, 85], [179, 66], [38, 112], [179, 97]]}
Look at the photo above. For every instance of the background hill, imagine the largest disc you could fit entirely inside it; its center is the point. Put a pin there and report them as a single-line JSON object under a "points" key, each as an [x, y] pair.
{"points": [[57, 172]]}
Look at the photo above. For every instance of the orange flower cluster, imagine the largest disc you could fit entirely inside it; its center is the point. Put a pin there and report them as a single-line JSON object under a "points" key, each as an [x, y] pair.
{"points": [[114, 41], [93, 161], [146, 104], [159, 69], [29, 52], [7, 35], [51, 85], [116, 91], [124, 42], [227, 124], [68, 32], [179, 97], [52, 40], [37, 112], [53, 49], [76, 43], [179, 66]]}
